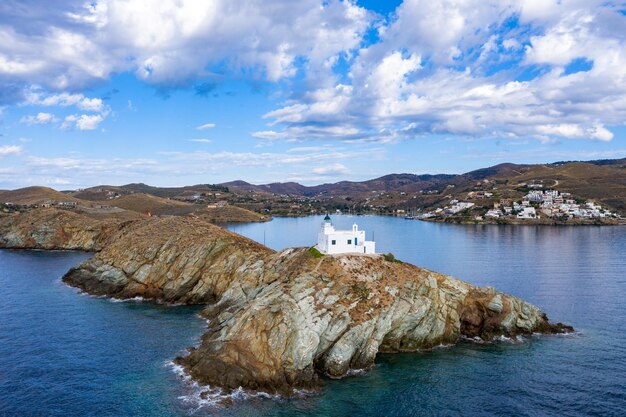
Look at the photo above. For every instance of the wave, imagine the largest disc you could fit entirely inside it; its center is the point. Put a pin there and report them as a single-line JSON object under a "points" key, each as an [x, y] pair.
{"points": [[200, 396], [517, 339], [136, 299]]}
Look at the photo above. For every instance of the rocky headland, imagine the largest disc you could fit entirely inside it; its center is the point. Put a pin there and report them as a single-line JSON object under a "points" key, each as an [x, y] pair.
{"points": [[50, 229], [280, 320]]}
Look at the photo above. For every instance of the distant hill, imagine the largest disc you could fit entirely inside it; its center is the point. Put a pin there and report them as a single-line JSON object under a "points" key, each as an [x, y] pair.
{"points": [[34, 195], [143, 203], [602, 180], [404, 182]]}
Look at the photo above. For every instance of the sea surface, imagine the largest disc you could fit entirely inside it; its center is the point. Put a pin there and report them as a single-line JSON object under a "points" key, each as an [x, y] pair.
{"points": [[63, 353]]}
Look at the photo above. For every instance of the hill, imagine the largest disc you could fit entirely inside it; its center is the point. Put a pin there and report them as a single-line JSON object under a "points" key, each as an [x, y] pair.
{"points": [[34, 195], [603, 181], [144, 203]]}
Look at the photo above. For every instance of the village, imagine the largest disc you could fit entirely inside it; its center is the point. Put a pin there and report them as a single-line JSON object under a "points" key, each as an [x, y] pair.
{"points": [[536, 204]]}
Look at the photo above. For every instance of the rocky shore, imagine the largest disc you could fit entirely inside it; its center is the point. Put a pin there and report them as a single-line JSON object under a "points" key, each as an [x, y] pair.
{"points": [[280, 320]]}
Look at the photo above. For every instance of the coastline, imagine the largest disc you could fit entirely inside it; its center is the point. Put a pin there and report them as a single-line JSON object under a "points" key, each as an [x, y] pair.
{"points": [[526, 222]]}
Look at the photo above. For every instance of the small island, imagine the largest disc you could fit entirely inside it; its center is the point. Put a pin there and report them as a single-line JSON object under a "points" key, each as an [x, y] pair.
{"points": [[278, 321]]}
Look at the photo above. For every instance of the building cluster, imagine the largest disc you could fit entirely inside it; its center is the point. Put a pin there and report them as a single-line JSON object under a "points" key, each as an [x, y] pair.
{"points": [[53, 203], [453, 208], [550, 203]]}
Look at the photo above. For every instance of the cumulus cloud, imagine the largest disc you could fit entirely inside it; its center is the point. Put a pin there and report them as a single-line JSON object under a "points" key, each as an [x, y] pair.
{"points": [[39, 119], [82, 122], [36, 96], [172, 41], [483, 68], [332, 169], [10, 150], [461, 68]]}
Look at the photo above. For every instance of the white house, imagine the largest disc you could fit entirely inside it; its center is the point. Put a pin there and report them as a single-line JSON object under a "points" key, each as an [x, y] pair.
{"points": [[527, 213], [333, 241]]}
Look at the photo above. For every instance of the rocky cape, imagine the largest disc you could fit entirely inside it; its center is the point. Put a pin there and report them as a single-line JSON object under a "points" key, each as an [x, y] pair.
{"points": [[280, 320], [51, 229]]}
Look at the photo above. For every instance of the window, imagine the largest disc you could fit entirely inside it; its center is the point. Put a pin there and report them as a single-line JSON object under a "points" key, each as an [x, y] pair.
{"points": [[349, 241], [333, 242]]}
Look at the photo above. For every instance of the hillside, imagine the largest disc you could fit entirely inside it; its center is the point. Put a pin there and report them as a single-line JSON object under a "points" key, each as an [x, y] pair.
{"points": [[144, 203], [34, 195], [602, 181]]}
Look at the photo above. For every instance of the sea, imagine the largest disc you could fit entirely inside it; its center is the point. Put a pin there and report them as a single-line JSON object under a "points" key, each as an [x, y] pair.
{"points": [[64, 353]]}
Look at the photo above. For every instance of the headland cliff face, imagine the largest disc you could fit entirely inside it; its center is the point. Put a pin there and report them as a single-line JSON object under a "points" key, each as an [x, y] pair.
{"points": [[50, 228], [278, 320]]}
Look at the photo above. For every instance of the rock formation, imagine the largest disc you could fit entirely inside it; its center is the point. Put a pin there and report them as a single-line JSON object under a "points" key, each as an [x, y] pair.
{"points": [[171, 259], [50, 228], [280, 319]]}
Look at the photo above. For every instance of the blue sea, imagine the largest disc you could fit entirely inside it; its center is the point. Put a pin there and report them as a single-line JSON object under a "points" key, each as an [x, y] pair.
{"points": [[63, 353]]}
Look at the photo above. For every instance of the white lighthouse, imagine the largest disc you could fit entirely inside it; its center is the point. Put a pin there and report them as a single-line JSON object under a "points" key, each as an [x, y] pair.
{"points": [[333, 241]]}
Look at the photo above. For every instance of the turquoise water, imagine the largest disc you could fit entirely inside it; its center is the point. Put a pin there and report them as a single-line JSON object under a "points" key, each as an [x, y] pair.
{"points": [[62, 353]]}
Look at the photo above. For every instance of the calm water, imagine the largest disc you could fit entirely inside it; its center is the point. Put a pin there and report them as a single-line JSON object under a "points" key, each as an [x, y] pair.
{"points": [[62, 353]]}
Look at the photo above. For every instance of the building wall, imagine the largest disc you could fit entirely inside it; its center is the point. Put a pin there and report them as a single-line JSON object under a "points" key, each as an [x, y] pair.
{"points": [[355, 237]]}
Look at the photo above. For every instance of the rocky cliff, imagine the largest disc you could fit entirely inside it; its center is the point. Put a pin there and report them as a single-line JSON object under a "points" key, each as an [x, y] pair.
{"points": [[172, 259], [50, 228], [280, 319]]}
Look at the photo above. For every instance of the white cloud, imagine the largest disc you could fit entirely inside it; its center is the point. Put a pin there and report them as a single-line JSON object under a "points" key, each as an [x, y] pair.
{"points": [[432, 73], [219, 160], [175, 41], [82, 122], [436, 67], [36, 97], [206, 126], [10, 150], [201, 140], [177, 168], [39, 119], [332, 169], [307, 149]]}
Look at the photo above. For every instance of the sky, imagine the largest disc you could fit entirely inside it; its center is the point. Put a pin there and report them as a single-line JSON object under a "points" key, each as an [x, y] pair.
{"points": [[180, 92]]}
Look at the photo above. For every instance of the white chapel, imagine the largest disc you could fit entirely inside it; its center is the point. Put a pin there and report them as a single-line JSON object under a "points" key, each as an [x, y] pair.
{"points": [[333, 241]]}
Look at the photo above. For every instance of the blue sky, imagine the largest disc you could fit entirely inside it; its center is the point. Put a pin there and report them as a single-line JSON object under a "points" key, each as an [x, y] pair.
{"points": [[185, 92]]}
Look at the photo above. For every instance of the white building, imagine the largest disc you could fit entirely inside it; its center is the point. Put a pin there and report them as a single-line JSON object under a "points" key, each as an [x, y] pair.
{"points": [[527, 213], [333, 241], [493, 213]]}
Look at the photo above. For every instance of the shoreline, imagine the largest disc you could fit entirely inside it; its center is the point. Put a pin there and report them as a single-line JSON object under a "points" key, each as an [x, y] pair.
{"points": [[525, 222]]}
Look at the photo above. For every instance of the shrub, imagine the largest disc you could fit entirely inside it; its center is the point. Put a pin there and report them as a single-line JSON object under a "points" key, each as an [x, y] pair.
{"points": [[360, 290], [316, 253], [389, 257]]}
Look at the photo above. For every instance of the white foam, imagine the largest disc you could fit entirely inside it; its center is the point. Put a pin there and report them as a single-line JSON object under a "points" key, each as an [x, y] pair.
{"points": [[136, 299], [357, 372], [200, 396], [497, 339]]}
